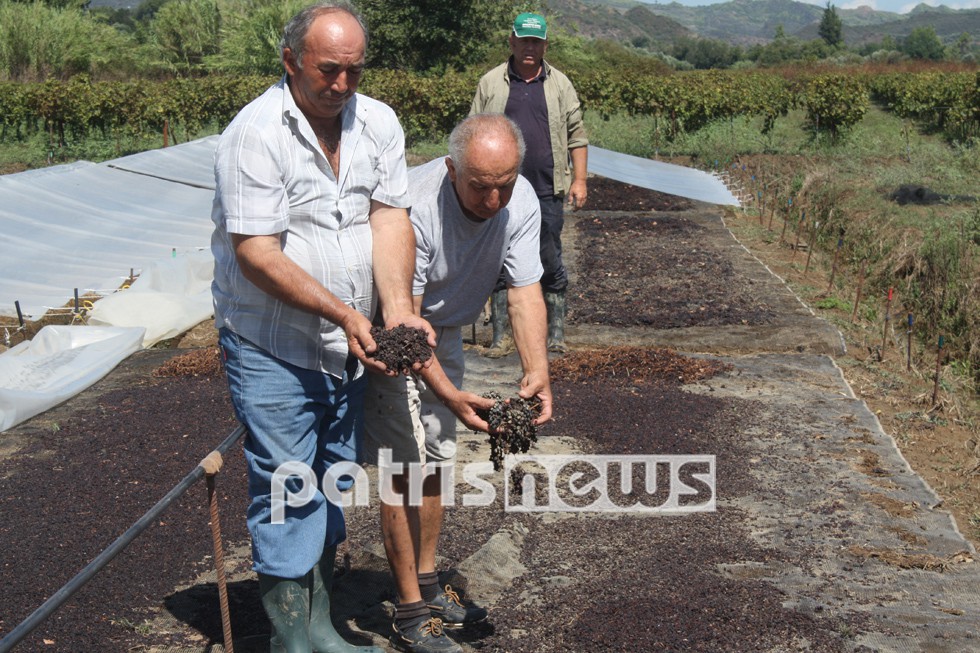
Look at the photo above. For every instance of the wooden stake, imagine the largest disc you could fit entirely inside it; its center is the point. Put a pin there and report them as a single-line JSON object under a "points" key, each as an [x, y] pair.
{"points": [[762, 195], [789, 208], [799, 228], [833, 268], [809, 249], [857, 299], [888, 317], [908, 346], [939, 362]]}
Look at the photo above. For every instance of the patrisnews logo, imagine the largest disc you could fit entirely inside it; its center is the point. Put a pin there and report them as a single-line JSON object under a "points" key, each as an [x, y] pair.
{"points": [[663, 484], [675, 484]]}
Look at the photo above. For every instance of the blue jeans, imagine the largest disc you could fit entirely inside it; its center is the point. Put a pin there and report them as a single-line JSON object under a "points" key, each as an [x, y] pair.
{"points": [[292, 414]]}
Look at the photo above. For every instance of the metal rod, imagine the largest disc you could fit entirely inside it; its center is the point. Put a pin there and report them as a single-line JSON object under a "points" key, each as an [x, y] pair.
{"points": [[68, 589], [20, 316], [219, 564]]}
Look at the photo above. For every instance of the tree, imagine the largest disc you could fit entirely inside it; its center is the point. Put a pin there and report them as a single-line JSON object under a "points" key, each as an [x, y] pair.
{"points": [[185, 32], [434, 34], [831, 26], [923, 43], [706, 53], [962, 46], [250, 33], [39, 42]]}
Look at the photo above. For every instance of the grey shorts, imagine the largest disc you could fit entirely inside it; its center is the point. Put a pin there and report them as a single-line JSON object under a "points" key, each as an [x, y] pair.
{"points": [[403, 415]]}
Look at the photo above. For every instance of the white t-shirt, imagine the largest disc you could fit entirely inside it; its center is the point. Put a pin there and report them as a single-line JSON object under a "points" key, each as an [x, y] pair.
{"points": [[458, 260]]}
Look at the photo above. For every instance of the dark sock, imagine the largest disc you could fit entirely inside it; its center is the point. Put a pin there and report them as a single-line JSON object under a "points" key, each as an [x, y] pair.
{"points": [[429, 586], [410, 614]]}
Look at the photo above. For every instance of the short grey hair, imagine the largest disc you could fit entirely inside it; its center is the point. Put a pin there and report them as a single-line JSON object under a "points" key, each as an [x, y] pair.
{"points": [[294, 34], [478, 125]]}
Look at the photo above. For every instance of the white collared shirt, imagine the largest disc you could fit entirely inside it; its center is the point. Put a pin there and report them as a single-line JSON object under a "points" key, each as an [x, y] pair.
{"points": [[273, 178]]}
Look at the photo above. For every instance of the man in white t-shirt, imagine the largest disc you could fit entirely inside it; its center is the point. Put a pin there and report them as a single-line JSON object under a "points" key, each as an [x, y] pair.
{"points": [[473, 215]]}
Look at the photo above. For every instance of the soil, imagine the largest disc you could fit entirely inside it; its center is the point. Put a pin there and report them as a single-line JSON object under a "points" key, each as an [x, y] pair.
{"points": [[76, 477]]}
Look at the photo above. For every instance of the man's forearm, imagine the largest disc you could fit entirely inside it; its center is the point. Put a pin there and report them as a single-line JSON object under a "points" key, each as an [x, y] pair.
{"points": [[529, 319], [393, 257], [580, 163]]}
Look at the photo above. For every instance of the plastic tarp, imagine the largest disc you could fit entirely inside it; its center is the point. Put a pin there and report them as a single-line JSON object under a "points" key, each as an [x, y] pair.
{"points": [[659, 176], [87, 225], [191, 163], [169, 297], [58, 363]]}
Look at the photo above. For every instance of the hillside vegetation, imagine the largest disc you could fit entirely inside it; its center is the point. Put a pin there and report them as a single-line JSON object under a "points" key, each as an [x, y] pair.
{"points": [[751, 22]]}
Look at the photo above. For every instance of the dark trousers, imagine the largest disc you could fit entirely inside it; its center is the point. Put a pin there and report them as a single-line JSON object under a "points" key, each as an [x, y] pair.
{"points": [[555, 279]]}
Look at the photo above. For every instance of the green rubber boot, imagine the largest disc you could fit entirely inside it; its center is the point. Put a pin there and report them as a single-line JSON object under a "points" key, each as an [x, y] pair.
{"points": [[323, 636], [502, 343], [555, 303], [287, 604]]}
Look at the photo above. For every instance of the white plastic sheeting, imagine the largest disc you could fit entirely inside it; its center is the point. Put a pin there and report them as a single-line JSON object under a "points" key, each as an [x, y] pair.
{"points": [[170, 297], [663, 177], [86, 225], [191, 163], [57, 364]]}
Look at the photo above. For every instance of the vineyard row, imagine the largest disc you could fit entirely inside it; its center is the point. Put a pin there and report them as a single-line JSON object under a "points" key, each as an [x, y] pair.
{"points": [[946, 102]]}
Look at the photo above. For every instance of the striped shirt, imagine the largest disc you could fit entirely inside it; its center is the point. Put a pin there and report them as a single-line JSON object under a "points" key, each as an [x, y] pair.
{"points": [[273, 178]]}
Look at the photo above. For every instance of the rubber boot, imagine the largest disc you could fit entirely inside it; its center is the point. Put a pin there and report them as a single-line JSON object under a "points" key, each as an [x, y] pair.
{"points": [[502, 343], [323, 636], [555, 303], [287, 604]]}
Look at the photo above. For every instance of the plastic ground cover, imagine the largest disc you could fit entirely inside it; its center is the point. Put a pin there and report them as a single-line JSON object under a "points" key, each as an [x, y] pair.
{"points": [[57, 364]]}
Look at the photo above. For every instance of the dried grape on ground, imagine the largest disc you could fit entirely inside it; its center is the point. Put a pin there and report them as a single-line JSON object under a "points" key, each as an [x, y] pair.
{"points": [[638, 270], [96, 463], [197, 362], [632, 365]]}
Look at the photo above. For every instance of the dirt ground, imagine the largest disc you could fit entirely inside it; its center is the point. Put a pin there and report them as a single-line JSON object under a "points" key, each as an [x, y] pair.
{"points": [[939, 441], [773, 569]]}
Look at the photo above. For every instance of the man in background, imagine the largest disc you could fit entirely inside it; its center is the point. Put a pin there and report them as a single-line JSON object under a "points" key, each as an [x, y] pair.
{"points": [[543, 103]]}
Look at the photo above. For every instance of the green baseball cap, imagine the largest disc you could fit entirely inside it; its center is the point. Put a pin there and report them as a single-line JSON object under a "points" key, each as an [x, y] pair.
{"points": [[530, 25]]}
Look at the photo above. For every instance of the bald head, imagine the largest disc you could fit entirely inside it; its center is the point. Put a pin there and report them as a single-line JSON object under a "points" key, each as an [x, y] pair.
{"points": [[295, 31], [476, 135], [485, 156]]}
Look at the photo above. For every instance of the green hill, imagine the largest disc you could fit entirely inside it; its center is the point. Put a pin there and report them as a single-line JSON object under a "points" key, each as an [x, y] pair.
{"points": [[948, 23]]}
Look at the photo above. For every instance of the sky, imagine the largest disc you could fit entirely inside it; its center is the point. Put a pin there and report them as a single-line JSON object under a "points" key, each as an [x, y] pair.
{"points": [[897, 6]]}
